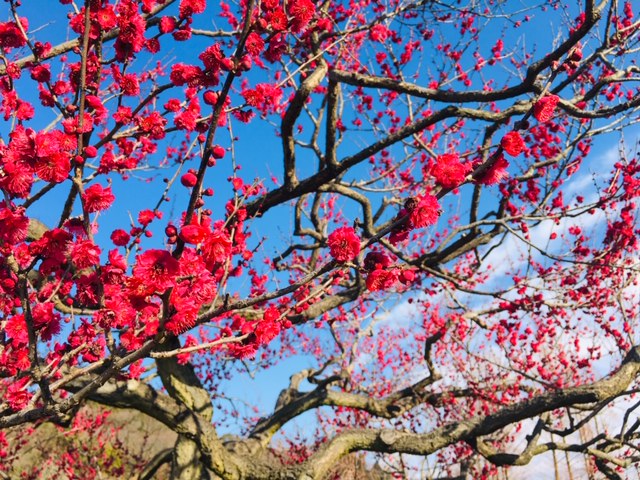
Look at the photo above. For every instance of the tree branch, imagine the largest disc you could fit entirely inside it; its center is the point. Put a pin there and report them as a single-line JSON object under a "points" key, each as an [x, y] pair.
{"points": [[392, 441]]}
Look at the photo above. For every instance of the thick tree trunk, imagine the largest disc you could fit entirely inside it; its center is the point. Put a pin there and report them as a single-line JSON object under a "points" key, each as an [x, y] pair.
{"points": [[186, 462], [183, 385]]}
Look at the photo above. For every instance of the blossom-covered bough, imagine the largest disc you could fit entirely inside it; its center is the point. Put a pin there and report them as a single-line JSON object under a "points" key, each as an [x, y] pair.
{"points": [[417, 201]]}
